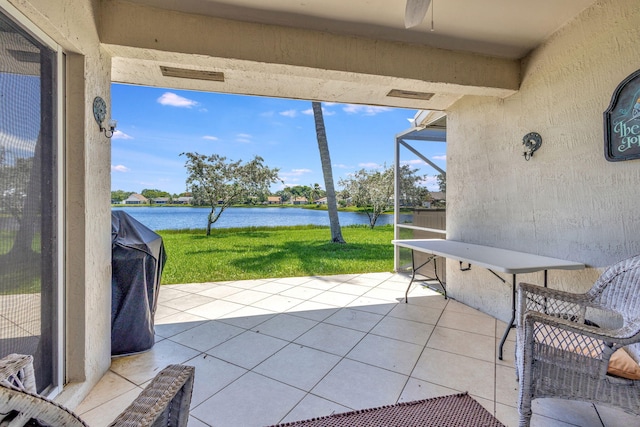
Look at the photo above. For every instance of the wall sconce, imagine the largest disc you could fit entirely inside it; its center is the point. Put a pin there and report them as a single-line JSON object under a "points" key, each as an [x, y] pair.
{"points": [[99, 113], [532, 141]]}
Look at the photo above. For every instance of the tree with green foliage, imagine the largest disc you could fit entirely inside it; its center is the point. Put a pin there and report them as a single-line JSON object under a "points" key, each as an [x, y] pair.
{"points": [[412, 193], [21, 196], [442, 182], [373, 190], [14, 184], [316, 192], [119, 195], [300, 191], [219, 183], [325, 160], [284, 194], [154, 194]]}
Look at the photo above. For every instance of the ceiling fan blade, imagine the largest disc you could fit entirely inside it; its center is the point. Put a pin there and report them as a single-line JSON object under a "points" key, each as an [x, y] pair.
{"points": [[415, 11]]}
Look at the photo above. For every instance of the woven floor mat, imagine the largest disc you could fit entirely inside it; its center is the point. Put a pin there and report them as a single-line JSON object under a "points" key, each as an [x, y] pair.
{"points": [[457, 410]]}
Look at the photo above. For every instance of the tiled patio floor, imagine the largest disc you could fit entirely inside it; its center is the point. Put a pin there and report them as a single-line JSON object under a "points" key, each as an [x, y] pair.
{"points": [[277, 350]]}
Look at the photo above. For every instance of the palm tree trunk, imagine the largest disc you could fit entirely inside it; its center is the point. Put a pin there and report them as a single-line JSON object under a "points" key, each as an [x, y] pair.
{"points": [[323, 146]]}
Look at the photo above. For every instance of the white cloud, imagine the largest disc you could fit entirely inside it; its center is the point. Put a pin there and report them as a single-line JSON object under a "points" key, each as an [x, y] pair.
{"points": [[342, 166], [289, 113], [325, 112], [431, 182], [267, 114], [16, 147], [443, 157], [293, 175], [173, 100], [365, 110], [119, 168], [244, 138], [413, 162], [370, 165], [300, 171], [210, 137], [118, 134]]}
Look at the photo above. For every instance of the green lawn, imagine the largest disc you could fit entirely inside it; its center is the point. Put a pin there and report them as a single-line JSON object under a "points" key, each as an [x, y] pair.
{"points": [[263, 252]]}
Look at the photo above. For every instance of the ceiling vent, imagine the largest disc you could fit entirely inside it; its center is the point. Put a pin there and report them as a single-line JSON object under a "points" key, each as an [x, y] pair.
{"points": [[184, 73], [408, 94]]}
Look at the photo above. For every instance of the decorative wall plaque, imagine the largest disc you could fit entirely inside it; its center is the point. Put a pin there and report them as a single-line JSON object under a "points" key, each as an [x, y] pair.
{"points": [[622, 121]]}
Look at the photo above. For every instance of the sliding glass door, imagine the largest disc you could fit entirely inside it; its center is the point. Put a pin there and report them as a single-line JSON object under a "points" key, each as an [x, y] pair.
{"points": [[29, 236]]}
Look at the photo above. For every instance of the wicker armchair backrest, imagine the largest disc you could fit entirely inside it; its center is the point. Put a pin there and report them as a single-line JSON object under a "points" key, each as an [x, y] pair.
{"points": [[618, 290]]}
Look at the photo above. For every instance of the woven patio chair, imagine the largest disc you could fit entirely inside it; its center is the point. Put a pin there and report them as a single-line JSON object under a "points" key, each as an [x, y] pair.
{"points": [[164, 402], [561, 354]]}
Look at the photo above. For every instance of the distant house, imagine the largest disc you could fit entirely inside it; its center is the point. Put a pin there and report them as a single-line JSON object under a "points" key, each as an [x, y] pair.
{"points": [[184, 200], [438, 196], [161, 200], [436, 199], [299, 200], [136, 199], [274, 200], [322, 201]]}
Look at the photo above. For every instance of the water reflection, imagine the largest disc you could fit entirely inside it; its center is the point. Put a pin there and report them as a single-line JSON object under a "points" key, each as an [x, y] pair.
{"points": [[175, 218]]}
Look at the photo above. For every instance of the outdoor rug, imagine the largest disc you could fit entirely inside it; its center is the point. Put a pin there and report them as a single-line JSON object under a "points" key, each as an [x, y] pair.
{"points": [[457, 410]]}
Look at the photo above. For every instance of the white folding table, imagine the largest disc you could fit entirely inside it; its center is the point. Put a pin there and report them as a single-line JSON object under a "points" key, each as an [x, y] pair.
{"points": [[493, 259]]}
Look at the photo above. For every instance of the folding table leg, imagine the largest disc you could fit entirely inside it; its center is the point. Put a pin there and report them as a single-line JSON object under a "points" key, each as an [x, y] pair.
{"points": [[414, 269], [513, 316]]}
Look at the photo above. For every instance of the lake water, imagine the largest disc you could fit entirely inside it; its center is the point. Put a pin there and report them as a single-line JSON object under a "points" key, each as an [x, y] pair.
{"points": [[175, 218]]}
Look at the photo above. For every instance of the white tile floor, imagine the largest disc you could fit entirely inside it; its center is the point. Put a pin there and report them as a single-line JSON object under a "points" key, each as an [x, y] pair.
{"points": [[278, 350]]}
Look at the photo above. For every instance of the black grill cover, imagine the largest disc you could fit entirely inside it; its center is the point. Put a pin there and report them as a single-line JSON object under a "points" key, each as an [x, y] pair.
{"points": [[137, 260]]}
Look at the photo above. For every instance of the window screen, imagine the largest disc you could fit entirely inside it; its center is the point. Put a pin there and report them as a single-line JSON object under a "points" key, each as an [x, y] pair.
{"points": [[28, 281]]}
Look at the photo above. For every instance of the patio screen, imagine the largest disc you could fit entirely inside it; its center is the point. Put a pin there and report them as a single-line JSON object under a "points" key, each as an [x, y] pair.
{"points": [[28, 270]]}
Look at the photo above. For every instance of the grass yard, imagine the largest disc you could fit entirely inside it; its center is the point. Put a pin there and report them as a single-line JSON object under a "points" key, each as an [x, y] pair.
{"points": [[262, 252]]}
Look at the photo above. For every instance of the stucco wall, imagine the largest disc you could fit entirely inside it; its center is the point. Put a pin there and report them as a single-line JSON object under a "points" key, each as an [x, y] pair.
{"points": [[72, 24], [567, 201]]}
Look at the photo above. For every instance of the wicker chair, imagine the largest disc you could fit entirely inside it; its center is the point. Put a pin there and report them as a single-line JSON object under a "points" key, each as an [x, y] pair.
{"points": [[559, 353], [164, 402]]}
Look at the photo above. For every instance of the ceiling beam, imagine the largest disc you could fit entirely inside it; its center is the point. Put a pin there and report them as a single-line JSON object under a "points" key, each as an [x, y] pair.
{"points": [[136, 32]]}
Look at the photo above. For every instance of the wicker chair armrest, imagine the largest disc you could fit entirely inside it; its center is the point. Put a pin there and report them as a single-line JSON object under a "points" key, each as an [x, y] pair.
{"points": [[575, 347], [594, 332], [570, 306], [16, 370], [593, 341], [164, 402], [540, 291], [619, 337], [18, 407]]}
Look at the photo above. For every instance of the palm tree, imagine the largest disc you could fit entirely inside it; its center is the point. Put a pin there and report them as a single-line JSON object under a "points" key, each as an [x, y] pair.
{"points": [[315, 193], [323, 146]]}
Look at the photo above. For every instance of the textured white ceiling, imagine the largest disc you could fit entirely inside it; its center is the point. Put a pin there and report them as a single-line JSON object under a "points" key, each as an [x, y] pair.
{"points": [[505, 28]]}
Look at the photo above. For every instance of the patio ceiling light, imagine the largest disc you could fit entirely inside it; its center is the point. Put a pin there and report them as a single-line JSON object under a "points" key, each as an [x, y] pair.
{"points": [[185, 73], [408, 94], [99, 113]]}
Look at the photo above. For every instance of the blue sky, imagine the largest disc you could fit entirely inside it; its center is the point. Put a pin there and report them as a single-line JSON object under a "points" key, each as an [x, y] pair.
{"points": [[155, 125]]}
